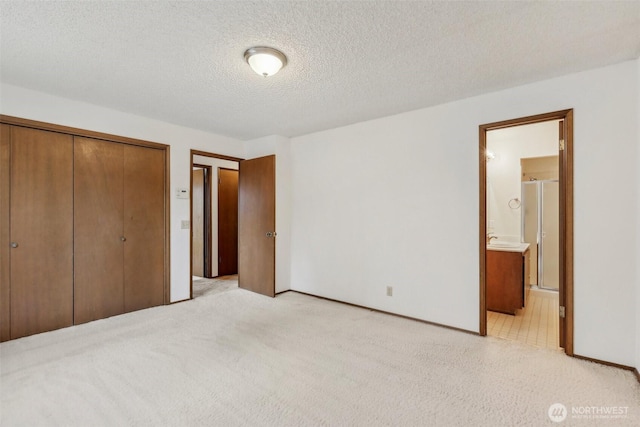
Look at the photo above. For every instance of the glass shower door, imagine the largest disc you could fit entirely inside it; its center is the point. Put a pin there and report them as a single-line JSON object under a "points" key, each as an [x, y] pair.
{"points": [[549, 235], [530, 226], [541, 229]]}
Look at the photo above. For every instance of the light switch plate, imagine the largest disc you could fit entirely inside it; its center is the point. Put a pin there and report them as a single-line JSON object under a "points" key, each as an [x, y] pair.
{"points": [[182, 193], [184, 224]]}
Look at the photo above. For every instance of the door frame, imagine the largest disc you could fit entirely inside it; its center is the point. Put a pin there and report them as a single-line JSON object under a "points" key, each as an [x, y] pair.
{"points": [[191, 165], [206, 229], [565, 292]]}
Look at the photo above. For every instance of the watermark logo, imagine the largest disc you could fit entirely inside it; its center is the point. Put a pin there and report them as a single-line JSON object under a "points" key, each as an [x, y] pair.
{"points": [[557, 412]]}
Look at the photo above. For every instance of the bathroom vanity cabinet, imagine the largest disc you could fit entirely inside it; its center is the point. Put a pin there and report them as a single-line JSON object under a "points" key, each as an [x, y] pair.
{"points": [[507, 278]]}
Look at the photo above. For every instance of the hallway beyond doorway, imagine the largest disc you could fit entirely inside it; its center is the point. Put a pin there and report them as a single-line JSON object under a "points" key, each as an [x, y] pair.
{"points": [[203, 286]]}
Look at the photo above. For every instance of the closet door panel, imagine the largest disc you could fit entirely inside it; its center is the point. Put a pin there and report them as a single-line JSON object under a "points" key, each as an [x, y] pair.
{"points": [[5, 233], [98, 225], [41, 231], [144, 198]]}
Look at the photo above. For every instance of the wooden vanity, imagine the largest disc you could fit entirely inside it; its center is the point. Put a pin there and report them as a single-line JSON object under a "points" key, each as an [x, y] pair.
{"points": [[507, 277]]}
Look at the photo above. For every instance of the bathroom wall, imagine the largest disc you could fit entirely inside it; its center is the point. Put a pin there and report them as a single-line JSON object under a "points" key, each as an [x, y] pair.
{"points": [[509, 145]]}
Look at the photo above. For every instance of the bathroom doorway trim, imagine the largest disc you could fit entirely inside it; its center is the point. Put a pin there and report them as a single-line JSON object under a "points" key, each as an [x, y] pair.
{"points": [[565, 293]]}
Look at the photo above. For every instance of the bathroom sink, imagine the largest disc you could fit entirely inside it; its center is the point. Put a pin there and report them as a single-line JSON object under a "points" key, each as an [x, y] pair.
{"points": [[504, 245]]}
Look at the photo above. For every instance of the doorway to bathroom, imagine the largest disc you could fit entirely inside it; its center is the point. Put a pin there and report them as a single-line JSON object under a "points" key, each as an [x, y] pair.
{"points": [[526, 230]]}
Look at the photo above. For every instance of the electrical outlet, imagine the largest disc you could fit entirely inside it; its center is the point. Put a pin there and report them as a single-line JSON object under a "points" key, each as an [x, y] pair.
{"points": [[389, 291]]}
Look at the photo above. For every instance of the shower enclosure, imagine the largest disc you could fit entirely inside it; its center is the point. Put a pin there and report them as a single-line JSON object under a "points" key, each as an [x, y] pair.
{"points": [[541, 229]]}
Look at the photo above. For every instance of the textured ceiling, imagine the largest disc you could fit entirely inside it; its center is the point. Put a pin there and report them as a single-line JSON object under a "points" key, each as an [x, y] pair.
{"points": [[182, 62]]}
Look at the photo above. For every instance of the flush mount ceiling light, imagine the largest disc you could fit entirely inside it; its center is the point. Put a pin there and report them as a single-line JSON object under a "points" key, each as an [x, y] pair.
{"points": [[265, 61]]}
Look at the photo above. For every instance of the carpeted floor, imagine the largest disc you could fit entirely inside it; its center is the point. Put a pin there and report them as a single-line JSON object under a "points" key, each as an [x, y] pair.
{"points": [[237, 358]]}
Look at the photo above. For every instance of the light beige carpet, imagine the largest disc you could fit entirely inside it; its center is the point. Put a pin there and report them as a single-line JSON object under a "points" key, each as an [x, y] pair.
{"points": [[237, 358]]}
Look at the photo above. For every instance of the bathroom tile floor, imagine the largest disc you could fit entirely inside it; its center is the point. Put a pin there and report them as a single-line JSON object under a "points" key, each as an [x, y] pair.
{"points": [[536, 324]]}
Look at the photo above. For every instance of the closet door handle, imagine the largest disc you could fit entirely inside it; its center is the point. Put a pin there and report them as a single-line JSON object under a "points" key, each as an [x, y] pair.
{"points": [[124, 239], [14, 244]]}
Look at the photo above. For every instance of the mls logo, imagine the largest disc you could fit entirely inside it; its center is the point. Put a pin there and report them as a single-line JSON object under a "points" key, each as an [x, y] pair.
{"points": [[557, 412]]}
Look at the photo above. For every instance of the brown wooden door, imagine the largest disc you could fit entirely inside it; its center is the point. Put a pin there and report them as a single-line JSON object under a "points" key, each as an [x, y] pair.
{"points": [[227, 221], [256, 225], [144, 223], [5, 233], [41, 231], [98, 229], [197, 223]]}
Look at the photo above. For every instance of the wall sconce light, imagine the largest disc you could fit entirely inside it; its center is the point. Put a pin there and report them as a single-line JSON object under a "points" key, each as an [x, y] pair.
{"points": [[265, 61]]}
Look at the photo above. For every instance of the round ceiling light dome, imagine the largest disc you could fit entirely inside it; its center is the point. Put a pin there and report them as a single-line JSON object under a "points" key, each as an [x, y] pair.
{"points": [[265, 61]]}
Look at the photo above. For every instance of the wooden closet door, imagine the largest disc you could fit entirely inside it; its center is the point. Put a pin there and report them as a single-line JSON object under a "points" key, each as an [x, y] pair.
{"points": [[41, 231], [144, 198], [99, 228], [5, 233]]}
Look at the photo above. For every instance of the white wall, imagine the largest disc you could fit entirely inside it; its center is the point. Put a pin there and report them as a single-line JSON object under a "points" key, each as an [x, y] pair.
{"points": [[215, 163], [280, 146], [637, 115], [34, 105], [504, 179], [394, 201]]}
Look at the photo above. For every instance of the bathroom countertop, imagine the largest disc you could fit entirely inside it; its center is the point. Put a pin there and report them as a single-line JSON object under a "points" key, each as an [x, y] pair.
{"points": [[508, 247]]}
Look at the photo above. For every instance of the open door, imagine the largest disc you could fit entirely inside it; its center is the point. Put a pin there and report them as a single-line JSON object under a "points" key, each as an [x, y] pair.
{"points": [[256, 225]]}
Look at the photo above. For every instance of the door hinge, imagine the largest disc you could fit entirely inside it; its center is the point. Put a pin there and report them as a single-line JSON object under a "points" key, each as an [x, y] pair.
{"points": [[562, 311], [561, 145]]}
